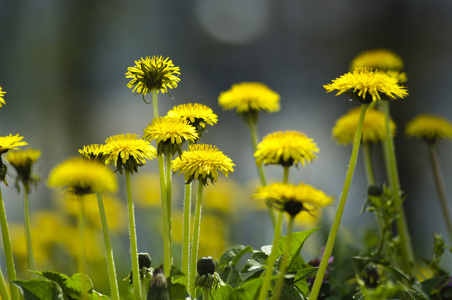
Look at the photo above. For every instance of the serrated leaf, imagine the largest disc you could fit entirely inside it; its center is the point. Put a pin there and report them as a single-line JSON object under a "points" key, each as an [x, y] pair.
{"points": [[37, 289]]}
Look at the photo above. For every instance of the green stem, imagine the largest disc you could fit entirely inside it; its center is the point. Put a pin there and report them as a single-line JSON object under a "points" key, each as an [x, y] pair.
{"points": [[108, 249], [440, 187], [407, 257], [81, 263], [186, 235], [195, 243], [283, 267], [3, 288], [28, 240], [166, 229], [368, 164], [8, 250], [260, 170], [286, 174], [205, 295], [168, 204], [133, 239], [263, 293], [155, 103], [340, 208]]}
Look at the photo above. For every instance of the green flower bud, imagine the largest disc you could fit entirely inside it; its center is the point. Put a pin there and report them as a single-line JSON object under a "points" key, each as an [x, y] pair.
{"points": [[206, 266]]}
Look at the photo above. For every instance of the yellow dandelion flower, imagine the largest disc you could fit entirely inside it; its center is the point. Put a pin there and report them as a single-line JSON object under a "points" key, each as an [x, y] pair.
{"points": [[153, 73], [170, 133], [293, 198], [308, 219], [366, 85], [94, 151], [374, 127], [286, 148], [197, 114], [381, 59], [82, 176], [128, 152], [202, 162], [11, 142], [23, 161], [2, 93], [248, 98], [430, 128]]}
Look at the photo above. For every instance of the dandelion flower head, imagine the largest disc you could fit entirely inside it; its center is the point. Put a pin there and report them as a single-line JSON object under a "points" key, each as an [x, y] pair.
{"points": [[366, 85], [128, 151], [429, 127], [381, 59], [197, 114], [94, 151], [153, 73], [2, 93], [293, 198], [248, 98], [170, 133], [203, 162], [374, 127], [11, 142], [23, 161], [286, 148], [82, 176]]}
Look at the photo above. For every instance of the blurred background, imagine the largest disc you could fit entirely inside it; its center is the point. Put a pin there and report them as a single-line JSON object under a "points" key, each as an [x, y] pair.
{"points": [[62, 64]]}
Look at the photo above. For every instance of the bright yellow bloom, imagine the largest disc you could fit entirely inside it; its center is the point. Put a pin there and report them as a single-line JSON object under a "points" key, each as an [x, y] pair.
{"points": [[286, 148], [248, 98], [23, 161], [82, 176], [2, 93], [430, 128], [128, 151], [94, 151], [293, 198], [170, 133], [11, 142], [202, 162], [374, 127], [381, 59], [153, 73], [197, 114], [366, 85]]}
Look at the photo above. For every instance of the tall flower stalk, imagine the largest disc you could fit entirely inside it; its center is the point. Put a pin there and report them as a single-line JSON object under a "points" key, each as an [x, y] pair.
{"points": [[202, 162], [248, 99], [340, 208], [407, 256], [7, 143], [366, 86], [3, 288], [433, 129], [128, 152], [108, 249]]}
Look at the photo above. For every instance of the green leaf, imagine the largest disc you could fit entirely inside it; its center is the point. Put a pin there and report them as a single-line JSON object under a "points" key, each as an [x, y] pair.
{"points": [[230, 276], [233, 254], [178, 291], [37, 289], [256, 262], [297, 242], [221, 292], [248, 290]]}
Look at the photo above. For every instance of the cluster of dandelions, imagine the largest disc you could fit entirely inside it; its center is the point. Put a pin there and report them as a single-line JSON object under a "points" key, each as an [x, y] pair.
{"points": [[374, 78]]}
